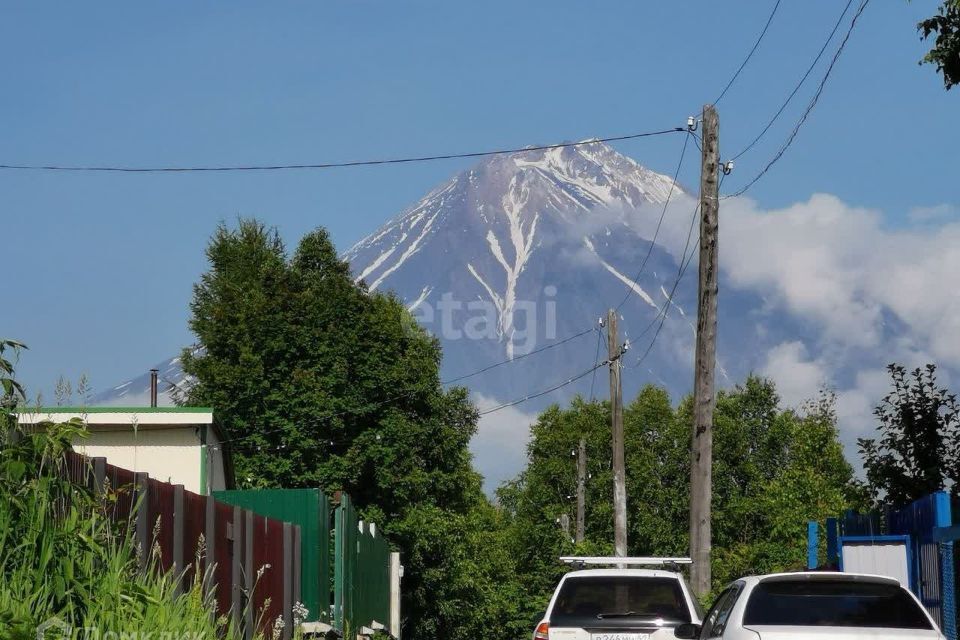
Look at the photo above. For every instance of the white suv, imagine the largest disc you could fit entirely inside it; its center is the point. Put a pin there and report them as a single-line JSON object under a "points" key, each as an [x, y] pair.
{"points": [[619, 603], [813, 605]]}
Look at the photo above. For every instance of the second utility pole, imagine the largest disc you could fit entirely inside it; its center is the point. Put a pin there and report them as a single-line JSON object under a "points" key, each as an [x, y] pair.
{"points": [[581, 490], [701, 462], [615, 351]]}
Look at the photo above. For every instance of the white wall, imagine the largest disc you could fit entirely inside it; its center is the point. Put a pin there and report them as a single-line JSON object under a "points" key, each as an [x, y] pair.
{"points": [[168, 455], [878, 558]]}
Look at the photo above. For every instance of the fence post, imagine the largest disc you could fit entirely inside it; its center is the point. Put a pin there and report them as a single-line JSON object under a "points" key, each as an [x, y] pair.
{"points": [[338, 567], [948, 603], [209, 558], [178, 527], [236, 573], [141, 481], [396, 572], [297, 558], [248, 573], [287, 579], [813, 544], [832, 540], [99, 474]]}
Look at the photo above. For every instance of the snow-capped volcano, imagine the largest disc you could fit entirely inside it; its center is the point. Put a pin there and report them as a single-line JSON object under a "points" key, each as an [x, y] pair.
{"points": [[524, 250], [509, 259]]}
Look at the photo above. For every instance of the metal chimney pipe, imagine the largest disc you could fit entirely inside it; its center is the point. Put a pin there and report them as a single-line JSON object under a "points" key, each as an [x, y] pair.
{"points": [[153, 387]]}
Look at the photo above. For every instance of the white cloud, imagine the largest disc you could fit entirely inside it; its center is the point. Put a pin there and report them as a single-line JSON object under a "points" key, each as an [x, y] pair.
{"points": [[934, 213], [798, 377], [837, 266], [500, 446], [866, 295]]}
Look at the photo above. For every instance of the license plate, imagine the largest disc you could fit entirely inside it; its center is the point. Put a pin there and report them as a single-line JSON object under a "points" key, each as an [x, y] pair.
{"points": [[620, 636]]}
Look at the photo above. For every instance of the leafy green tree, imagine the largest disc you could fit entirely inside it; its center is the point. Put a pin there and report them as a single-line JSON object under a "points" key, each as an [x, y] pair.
{"points": [[774, 470], [535, 500], [919, 448], [945, 53], [321, 383]]}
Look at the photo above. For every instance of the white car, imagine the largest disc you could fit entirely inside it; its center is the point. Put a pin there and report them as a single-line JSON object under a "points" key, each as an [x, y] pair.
{"points": [[796, 606], [619, 603]]}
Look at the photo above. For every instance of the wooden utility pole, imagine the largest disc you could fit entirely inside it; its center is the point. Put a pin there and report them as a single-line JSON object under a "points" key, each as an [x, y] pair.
{"points": [[616, 418], [705, 360], [581, 490]]}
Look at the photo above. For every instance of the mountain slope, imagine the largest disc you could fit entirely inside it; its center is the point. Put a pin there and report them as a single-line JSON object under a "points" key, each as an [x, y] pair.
{"points": [[508, 259], [523, 250]]}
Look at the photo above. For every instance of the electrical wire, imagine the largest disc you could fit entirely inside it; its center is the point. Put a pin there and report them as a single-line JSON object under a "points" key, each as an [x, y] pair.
{"points": [[499, 407], [544, 392], [656, 233], [680, 271], [753, 50], [803, 79], [596, 357], [407, 394], [810, 107], [685, 261], [332, 165], [519, 357]]}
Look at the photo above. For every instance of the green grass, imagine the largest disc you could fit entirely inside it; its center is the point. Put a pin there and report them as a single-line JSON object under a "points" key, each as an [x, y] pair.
{"points": [[61, 556]]}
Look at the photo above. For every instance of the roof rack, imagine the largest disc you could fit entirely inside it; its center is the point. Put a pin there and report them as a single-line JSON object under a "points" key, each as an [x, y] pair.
{"points": [[605, 561]]}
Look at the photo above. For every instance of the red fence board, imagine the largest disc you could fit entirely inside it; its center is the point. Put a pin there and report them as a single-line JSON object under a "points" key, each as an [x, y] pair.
{"points": [[268, 563], [194, 530], [164, 522], [160, 521]]}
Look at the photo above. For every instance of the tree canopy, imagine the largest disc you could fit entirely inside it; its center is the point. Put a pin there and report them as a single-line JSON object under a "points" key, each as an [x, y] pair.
{"points": [[321, 383], [918, 451], [945, 53], [774, 469]]}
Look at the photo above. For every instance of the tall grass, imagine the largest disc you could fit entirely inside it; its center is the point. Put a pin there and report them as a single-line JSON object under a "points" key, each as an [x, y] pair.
{"points": [[61, 556]]}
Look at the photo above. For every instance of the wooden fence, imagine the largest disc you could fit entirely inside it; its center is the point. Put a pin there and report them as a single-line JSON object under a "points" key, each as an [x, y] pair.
{"points": [[248, 559]]}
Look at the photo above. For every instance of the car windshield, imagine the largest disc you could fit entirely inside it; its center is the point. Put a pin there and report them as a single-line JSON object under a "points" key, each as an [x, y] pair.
{"points": [[833, 603], [594, 600]]}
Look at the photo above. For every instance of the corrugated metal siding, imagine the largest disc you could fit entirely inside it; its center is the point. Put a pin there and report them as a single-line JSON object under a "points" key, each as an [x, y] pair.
{"points": [[362, 573], [309, 509]]}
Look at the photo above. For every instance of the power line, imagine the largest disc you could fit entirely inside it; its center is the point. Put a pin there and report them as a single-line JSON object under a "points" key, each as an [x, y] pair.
{"points": [[803, 79], [499, 407], [407, 394], [680, 271], [519, 357], [685, 261], [593, 379], [332, 165], [544, 392], [810, 107], [753, 50], [656, 233]]}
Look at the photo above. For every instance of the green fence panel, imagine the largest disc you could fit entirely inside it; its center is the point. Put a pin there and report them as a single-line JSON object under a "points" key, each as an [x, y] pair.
{"points": [[310, 509], [373, 586], [361, 572], [345, 530]]}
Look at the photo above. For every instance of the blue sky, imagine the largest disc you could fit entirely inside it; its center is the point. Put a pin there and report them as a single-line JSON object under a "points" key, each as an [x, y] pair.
{"points": [[102, 265]]}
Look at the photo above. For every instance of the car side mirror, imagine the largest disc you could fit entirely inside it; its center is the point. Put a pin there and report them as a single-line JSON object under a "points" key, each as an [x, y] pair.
{"points": [[687, 631]]}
